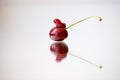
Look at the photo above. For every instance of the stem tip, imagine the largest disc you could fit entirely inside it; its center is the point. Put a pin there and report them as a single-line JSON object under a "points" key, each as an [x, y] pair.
{"points": [[100, 66], [100, 19]]}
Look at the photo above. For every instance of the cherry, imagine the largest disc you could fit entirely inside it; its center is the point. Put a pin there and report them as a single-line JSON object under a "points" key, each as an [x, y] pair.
{"points": [[59, 32], [60, 50]]}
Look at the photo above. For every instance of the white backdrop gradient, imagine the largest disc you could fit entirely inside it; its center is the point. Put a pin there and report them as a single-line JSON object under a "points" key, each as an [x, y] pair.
{"points": [[24, 39]]}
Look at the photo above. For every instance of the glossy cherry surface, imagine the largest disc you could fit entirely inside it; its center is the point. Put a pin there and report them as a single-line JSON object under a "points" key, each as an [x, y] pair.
{"points": [[59, 24], [59, 49], [59, 32]]}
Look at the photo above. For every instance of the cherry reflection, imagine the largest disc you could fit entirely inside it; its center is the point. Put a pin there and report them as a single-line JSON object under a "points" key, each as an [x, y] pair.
{"points": [[60, 50]]}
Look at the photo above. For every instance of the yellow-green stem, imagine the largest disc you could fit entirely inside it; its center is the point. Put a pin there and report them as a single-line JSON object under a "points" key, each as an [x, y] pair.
{"points": [[99, 18]]}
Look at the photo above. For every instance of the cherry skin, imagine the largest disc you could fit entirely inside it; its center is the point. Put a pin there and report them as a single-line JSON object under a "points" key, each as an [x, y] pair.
{"points": [[58, 34], [60, 50], [59, 24]]}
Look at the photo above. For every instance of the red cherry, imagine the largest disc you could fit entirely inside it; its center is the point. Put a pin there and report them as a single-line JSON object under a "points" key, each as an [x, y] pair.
{"points": [[58, 34], [60, 49]]}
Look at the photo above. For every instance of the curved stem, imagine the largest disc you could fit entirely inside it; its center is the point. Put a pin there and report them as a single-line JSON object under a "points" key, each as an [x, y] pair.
{"points": [[99, 18]]}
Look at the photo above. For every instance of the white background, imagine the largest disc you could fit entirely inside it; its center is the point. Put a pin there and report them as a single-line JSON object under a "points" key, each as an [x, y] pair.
{"points": [[25, 42]]}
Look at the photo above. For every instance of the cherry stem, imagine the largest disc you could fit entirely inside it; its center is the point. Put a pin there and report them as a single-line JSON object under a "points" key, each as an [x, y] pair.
{"points": [[99, 18], [99, 66]]}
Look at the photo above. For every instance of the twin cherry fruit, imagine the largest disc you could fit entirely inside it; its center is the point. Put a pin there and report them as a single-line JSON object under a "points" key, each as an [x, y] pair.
{"points": [[59, 32]]}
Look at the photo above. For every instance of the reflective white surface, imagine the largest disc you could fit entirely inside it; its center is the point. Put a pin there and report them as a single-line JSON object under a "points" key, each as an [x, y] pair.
{"points": [[24, 42]]}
